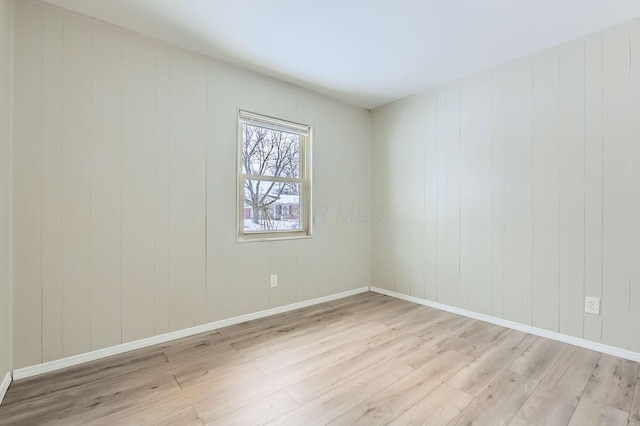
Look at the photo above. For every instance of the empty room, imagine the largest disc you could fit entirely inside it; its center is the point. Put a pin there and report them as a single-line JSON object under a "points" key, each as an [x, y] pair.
{"points": [[218, 212]]}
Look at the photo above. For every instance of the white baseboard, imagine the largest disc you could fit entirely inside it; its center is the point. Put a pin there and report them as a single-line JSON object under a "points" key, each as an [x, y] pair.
{"points": [[23, 373], [587, 344], [4, 386]]}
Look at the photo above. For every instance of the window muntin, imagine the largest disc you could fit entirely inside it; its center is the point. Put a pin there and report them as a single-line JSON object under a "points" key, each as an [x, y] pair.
{"points": [[274, 190]]}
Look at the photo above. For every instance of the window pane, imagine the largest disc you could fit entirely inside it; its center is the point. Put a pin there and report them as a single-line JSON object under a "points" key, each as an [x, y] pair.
{"points": [[270, 152], [271, 206]]}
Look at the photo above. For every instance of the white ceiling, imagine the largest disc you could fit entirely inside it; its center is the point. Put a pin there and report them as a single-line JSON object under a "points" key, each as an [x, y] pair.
{"points": [[365, 52]]}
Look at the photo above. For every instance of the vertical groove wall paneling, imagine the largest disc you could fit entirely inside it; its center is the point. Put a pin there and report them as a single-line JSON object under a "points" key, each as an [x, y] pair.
{"points": [[76, 187], [634, 293], [401, 196], [138, 189], [106, 161], [562, 172], [226, 122], [441, 133], [380, 259], [546, 198], [281, 255], [477, 141], [125, 189], [200, 196], [497, 192], [7, 9], [467, 147], [616, 186], [572, 65], [387, 193], [27, 178], [593, 182], [182, 93], [431, 195], [518, 163], [453, 172], [417, 206], [52, 186], [213, 207], [395, 199], [161, 191]]}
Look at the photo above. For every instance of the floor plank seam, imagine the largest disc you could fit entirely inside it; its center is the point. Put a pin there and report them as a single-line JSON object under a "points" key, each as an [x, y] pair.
{"points": [[198, 414], [292, 397], [492, 382], [585, 387], [633, 397], [453, 373], [176, 379], [540, 380]]}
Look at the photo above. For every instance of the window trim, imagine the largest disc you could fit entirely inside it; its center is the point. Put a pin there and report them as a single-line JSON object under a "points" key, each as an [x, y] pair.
{"points": [[306, 137]]}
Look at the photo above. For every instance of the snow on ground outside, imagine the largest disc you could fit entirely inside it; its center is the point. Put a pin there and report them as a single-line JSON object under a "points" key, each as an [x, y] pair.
{"points": [[278, 224]]}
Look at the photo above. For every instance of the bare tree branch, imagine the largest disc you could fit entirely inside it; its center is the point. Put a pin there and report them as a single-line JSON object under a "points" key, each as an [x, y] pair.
{"points": [[270, 153]]}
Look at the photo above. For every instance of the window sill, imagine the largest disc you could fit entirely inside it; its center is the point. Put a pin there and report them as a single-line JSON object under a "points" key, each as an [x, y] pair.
{"points": [[267, 238]]}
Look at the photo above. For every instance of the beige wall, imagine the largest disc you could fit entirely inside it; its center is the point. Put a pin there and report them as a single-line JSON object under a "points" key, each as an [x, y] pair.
{"points": [[6, 14], [513, 193], [125, 186], [516, 192]]}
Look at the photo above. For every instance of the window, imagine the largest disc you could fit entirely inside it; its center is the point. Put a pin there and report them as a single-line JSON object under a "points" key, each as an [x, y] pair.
{"points": [[274, 185]]}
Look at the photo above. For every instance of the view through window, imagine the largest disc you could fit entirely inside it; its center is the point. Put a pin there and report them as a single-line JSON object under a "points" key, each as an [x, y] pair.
{"points": [[274, 188]]}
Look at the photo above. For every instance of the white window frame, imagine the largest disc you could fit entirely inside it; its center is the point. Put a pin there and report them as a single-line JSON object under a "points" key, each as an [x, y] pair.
{"points": [[305, 132]]}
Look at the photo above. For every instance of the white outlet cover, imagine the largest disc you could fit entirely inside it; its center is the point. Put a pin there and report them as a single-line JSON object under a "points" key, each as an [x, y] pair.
{"points": [[273, 280], [592, 305]]}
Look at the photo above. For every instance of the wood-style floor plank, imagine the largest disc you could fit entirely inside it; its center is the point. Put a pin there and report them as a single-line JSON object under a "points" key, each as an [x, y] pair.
{"points": [[594, 413], [557, 395], [167, 413], [214, 401], [311, 387], [70, 378], [499, 402], [95, 408], [519, 421], [536, 361], [478, 339], [437, 408], [367, 359], [186, 417], [613, 382], [438, 340], [480, 372], [260, 412], [110, 395], [284, 359], [336, 402], [402, 395], [634, 414]]}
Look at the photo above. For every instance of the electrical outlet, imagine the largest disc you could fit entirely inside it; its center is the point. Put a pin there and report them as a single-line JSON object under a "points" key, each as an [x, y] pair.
{"points": [[592, 305], [273, 281]]}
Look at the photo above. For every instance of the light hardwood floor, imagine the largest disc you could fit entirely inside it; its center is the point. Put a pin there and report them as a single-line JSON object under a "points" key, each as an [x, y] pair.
{"points": [[367, 359]]}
